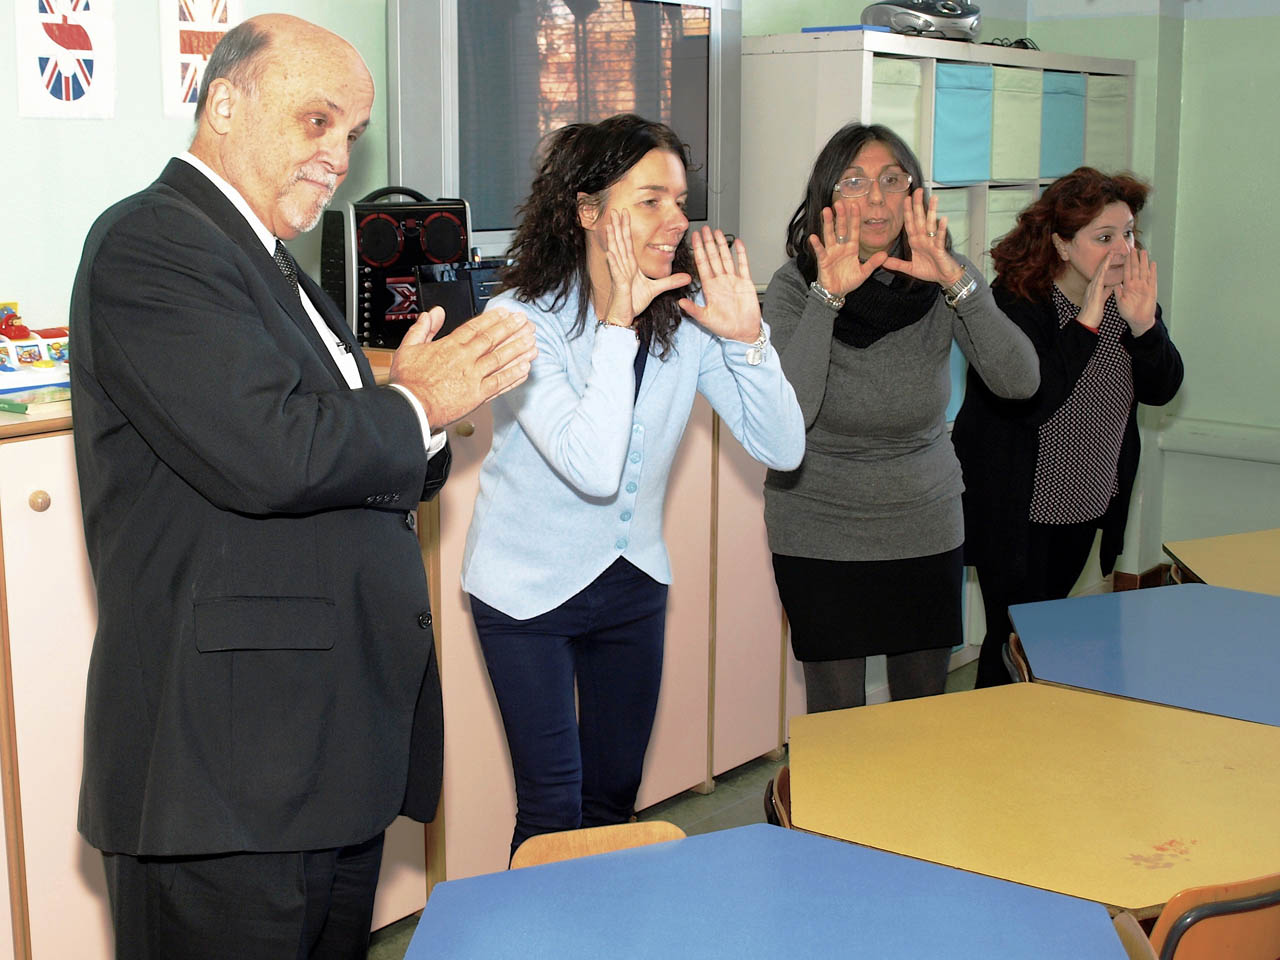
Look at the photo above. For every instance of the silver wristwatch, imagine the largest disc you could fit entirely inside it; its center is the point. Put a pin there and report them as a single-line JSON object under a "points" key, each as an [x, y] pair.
{"points": [[826, 296], [960, 289], [755, 352]]}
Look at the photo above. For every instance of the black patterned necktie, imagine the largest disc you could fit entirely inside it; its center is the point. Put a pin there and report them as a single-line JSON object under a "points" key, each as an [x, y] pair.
{"points": [[286, 265]]}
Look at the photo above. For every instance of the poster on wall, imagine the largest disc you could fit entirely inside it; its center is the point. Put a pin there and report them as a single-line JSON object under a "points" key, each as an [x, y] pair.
{"points": [[190, 29], [65, 55]]}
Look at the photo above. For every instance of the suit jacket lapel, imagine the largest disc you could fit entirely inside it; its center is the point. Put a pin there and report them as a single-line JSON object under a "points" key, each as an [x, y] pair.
{"points": [[194, 185]]}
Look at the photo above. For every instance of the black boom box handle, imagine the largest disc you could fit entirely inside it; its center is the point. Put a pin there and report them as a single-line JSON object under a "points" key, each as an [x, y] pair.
{"points": [[392, 191]]}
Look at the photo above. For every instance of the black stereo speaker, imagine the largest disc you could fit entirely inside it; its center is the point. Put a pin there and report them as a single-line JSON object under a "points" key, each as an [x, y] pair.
{"points": [[372, 252]]}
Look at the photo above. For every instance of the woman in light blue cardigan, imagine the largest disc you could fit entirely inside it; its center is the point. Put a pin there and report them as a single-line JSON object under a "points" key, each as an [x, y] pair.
{"points": [[565, 562]]}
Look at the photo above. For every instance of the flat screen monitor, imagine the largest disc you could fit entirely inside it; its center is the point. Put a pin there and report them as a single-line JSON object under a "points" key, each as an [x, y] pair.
{"points": [[476, 85]]}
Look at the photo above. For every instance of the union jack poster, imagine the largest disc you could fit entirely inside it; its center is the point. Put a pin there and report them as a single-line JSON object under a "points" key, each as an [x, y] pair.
{"points": [[190, 29], [66, 58]]}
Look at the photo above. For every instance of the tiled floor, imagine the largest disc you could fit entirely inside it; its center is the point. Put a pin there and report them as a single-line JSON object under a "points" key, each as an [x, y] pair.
{"points": [[737, 800]]}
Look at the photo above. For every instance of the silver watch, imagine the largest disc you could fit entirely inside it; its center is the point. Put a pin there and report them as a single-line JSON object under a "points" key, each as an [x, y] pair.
{"points": [[957, 291], [755, 352]]}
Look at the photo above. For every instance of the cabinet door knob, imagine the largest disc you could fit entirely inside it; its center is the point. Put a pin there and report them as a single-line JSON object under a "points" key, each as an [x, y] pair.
{"points": [[39, 501], [465, 428]]}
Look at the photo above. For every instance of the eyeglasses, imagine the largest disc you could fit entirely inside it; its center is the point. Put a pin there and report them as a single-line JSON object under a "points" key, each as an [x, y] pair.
{"points": [[895, 182]]}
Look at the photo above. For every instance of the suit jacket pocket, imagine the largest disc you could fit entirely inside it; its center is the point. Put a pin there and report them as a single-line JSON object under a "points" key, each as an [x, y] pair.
{"points": [[265, 623]]}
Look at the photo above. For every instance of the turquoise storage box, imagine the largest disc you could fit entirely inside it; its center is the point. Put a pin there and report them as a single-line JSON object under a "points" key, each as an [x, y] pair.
{"points": [[1015, 124], [962, 122], [1106, 123], [1062, 123], [1003, 206], [896, 98]]}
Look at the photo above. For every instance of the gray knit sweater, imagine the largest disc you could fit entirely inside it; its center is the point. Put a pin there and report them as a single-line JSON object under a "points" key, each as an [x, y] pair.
{"points": [[879, 480]]}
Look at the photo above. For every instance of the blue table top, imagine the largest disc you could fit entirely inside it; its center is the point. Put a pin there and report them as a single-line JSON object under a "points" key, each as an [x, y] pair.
{"points": [[1195, 646], [755, 891]]}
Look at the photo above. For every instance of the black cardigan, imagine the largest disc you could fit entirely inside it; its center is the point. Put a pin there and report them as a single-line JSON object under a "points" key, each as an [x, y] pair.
{"points": [[997, 440]]}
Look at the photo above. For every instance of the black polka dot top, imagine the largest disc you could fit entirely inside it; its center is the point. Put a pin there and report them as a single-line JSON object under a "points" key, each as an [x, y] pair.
{"points": [[1080, 444]]}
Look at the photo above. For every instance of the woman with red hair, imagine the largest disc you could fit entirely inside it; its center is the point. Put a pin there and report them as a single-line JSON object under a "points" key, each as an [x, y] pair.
{"points": [[1043, 475]]}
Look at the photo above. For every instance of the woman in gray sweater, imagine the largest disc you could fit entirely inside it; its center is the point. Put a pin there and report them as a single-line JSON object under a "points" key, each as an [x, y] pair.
{"points": [[867, 533]]}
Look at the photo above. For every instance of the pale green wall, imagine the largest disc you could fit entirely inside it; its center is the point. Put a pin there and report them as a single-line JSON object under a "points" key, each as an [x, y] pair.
{"points": [[1225, 275], [1228, 256], [60, 174]]}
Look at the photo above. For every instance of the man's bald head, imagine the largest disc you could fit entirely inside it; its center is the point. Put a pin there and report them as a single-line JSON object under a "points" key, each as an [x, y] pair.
{"points": [[281, 104]]}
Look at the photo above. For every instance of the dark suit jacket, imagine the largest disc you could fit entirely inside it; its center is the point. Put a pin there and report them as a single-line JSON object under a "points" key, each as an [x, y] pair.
{"points": [[264, 631]]}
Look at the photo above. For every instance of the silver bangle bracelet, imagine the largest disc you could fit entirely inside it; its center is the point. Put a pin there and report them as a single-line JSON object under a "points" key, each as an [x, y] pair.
{"points": [[826, 296]]}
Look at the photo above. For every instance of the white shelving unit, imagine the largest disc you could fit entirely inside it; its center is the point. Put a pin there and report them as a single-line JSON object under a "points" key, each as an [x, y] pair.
{"points": [[798, 89]]}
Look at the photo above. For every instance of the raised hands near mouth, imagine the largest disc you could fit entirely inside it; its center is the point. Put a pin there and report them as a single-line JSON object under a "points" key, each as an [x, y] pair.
{"points": [[631, 291], [732, 309], [927, 237], [1136, 295], [839, 268]]}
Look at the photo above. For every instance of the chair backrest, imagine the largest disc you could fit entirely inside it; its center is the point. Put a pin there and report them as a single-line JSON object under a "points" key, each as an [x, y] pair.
{"points": [[782, 796], [1015, 660], [1131, 934], [567, 844], [1236, 920]]}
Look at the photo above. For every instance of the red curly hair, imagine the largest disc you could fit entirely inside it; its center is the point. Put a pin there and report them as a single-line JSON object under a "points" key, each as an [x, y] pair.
{"points": [[1025, 259]]}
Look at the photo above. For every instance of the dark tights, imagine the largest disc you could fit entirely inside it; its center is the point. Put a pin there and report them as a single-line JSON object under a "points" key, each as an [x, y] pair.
{"points": [[836, 684], [1056, 553]]}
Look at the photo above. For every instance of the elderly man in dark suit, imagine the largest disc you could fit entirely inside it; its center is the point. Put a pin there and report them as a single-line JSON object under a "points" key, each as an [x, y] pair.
{"points": [[263, 697]]}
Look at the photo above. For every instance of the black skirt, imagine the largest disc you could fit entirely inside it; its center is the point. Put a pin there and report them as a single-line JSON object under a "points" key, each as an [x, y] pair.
{"points": [[859, 608]]}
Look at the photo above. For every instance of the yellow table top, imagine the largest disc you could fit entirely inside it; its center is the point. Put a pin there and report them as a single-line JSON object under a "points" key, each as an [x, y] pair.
{"points": [[1107, 799], [1242, 561]]}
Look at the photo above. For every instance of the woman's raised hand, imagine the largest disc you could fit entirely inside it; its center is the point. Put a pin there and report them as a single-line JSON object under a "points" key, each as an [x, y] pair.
{"points": [[927, 236], [836, 254], [1136, 295], [631, 291], [1095, 296], [732, 309]]}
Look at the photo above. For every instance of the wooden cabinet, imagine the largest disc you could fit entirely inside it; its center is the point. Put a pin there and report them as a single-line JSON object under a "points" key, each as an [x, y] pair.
{"points": [[57, 887], [749, 646]]}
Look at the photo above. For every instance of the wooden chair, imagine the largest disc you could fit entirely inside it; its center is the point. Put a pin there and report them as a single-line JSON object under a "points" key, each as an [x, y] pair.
{"points": [[1134, 938], [567, 844], [1237, 920], [1015, 660], [777, 798]]}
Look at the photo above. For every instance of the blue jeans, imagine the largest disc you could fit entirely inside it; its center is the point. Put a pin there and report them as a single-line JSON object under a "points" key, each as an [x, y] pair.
{"points": [[578, 768]]}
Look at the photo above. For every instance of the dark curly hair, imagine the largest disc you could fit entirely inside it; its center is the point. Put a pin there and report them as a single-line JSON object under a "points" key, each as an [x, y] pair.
{"points": [[1025, 259], [549, 252], [844, 145]]}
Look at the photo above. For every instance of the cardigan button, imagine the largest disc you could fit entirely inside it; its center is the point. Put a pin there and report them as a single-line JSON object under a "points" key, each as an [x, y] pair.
{"points": [[424, 620]]}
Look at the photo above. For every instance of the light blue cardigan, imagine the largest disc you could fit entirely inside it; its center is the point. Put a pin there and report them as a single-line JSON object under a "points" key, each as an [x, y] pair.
{"points": [[577, 476]]}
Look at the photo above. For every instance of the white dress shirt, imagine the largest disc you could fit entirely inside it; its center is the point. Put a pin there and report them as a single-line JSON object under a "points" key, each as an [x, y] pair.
{"points": [[337, 349]]}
